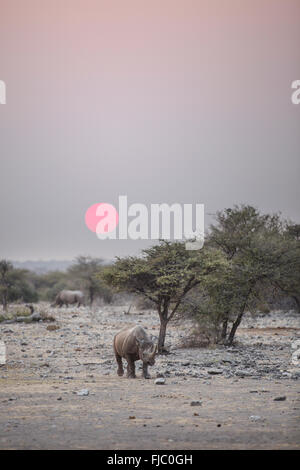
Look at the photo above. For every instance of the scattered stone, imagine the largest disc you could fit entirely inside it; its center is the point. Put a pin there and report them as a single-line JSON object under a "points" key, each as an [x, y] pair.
{"points": [[160, 381], [281, 398], [295, 345], [242, 373], [288, 375], [296, 357], [83, 393], [52, 327], [196, 403], [256, 418], [131, 417], [215, 371]]}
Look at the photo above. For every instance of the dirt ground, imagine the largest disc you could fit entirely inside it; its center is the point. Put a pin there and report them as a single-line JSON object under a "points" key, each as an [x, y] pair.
{"points": [[234, 389]]}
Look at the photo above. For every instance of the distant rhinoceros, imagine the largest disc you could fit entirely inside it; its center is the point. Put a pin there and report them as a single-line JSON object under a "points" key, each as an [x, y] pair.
{"points": [[133, 344], [69, 297]]}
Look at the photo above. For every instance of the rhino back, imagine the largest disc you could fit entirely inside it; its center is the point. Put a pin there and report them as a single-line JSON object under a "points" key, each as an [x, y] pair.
{"points": [[125, 340], [78, 293], [70, 296]]}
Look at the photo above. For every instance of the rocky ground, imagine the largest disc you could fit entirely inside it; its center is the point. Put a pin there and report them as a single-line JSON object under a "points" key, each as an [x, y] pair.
{"points": [[59, 388]]}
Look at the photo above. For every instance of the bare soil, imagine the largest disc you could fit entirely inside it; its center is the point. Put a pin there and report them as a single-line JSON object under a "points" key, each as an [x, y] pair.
{"points": [[40, 407]]}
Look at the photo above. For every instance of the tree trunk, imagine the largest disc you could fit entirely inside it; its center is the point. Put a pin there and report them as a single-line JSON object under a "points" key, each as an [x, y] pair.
{"points": [[234, 328], [4, 302], [238, 320], [162, 334], [91, 296], [297, 300], [224, 329]]}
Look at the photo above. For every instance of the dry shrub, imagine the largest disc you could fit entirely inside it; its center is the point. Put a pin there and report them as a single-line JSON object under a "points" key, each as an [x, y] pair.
{"points": [[263, 308], [198, 338]]}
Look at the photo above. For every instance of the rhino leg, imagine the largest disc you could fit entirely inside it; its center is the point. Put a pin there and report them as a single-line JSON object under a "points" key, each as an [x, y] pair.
{"points": [[120, 370], [146, 375], [130, 367]]}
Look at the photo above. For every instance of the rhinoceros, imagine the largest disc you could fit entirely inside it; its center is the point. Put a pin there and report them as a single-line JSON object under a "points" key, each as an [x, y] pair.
{"points": [[133, 344], [69, 297]]}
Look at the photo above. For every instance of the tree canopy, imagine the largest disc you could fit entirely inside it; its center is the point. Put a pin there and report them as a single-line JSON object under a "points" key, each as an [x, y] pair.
{"points": [[164, 274]]}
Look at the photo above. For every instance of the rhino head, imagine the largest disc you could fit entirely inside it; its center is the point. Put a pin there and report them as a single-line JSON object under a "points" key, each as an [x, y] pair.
{"points": [[147, 351]]}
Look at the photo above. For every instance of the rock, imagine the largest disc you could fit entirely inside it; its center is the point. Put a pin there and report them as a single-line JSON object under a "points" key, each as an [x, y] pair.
{"points": [[295, 373], [295, 345], [215, 371], [83, 393], [256, 418], [296, 357], [281, 398], [159, 375], [196, 403], [186, 363], [52, 327], [36, 317], [227, 361], [160, 381], [243, 373], [288, 375], [232, 350]]}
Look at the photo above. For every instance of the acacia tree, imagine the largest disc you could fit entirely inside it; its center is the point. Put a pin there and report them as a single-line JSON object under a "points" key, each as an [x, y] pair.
{"points": [[164, 274], [6, 269], [260, 255], [289, 281], [15, 284]]}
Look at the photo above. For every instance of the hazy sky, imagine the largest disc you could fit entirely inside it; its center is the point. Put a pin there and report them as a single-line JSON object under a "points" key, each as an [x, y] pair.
{"points": [[164, 101]]}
